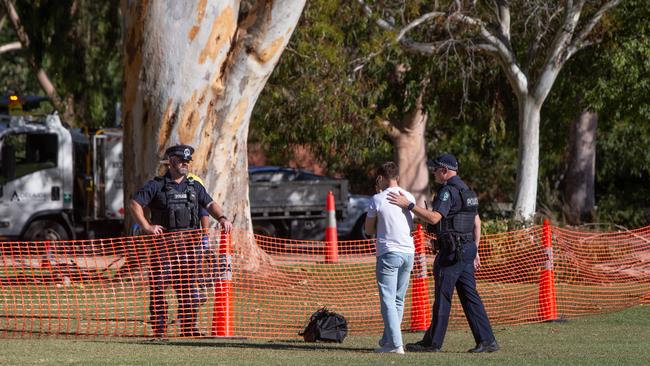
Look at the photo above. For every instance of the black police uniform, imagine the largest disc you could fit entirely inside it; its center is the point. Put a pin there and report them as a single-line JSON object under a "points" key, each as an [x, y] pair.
{"points": [[175, 262], [454, 265]]}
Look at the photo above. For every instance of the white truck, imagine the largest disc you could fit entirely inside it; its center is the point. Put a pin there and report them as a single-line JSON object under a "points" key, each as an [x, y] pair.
{"points": [[58, 183]]}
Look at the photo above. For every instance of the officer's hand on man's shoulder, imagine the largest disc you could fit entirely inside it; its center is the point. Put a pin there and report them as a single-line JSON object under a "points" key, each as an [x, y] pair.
{"points": [[398, 199]]}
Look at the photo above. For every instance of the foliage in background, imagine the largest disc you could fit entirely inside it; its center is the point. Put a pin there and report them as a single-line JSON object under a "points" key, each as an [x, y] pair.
{"points": [[335, 81], [613, 79], [78, 43], [338, 79], [475, 118], [313, 99]]}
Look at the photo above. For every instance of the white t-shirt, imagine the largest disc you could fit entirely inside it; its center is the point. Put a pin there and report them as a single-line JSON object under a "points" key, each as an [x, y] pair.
{"points": [[394, 224]]}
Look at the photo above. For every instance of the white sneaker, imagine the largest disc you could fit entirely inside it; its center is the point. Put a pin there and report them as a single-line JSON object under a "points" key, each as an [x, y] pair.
{"points": [[399, 350]]}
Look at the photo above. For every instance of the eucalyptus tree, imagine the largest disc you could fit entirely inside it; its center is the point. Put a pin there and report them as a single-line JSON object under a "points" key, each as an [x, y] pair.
{"points": [[530, 39], [193, 73], [351, 97]]}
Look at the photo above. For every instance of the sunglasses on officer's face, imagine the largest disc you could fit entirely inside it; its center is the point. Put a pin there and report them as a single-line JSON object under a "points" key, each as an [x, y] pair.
{"points": [[180, 160]]}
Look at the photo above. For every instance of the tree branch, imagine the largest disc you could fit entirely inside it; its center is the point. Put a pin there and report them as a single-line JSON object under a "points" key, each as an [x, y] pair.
{"points": [[380, 22], [494, 44], [503, 14], [542, 27], [579, 41], [406, 43], [557, 56], [417, 22], [558, 52], [392, 131], [41, 75], [10, 47], [504, 53]]}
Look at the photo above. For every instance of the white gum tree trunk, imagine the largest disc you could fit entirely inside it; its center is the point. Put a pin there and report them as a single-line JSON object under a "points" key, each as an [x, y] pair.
{"points": [[528, 157], [193, 72], [409, 143]]}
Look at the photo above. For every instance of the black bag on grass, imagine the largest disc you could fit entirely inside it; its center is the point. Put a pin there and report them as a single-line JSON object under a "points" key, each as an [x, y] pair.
{"points": [[325, 326]]}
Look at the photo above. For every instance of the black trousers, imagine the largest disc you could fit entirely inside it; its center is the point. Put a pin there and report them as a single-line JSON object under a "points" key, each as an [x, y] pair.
{"points": [[174, 264], [459, 276]]}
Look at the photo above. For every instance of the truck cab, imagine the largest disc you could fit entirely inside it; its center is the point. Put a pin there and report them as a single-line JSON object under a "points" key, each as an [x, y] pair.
{"points": [[36, 173], [58, 183]]}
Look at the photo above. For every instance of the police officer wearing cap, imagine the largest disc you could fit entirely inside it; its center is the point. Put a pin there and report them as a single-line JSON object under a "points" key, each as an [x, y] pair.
{"points": [[457, 226], [175, 202]]}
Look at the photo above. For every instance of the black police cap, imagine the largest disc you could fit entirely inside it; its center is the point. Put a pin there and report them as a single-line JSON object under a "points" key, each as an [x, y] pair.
{"points": [[444, 161], [183, 151]]}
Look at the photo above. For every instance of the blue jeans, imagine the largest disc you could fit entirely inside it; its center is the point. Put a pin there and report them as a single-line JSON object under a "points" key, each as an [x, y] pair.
{"points": [[393, 273]]}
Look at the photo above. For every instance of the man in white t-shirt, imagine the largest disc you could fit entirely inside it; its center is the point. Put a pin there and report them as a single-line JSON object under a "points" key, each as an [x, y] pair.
{"points": [[395, 251]]}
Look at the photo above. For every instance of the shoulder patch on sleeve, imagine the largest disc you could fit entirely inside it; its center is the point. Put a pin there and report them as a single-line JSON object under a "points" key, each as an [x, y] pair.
{"points": [[445, 196]]}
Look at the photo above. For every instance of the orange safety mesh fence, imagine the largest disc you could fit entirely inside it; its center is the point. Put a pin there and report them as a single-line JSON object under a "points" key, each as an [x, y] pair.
{"points": [[253, 286]]}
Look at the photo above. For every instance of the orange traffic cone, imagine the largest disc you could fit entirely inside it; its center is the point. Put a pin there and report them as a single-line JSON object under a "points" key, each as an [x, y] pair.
{"points": [[223, 314], [331, 237], [419, 285], [547, 301]]}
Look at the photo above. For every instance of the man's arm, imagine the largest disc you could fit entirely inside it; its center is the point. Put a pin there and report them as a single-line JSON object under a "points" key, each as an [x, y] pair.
{"points": [[432, 217], [477, 230], [205, 222], [477, 239], [204, 218], [138, 215], [215, 210], [370, 226]]}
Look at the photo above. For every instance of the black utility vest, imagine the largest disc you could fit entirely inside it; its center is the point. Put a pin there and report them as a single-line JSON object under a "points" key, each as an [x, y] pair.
{"points": [[180, 209], [461, 222]]}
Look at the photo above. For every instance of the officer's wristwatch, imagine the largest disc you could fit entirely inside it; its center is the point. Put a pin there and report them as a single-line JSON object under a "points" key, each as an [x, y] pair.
{"points": [[411, 206], [222, 217]]}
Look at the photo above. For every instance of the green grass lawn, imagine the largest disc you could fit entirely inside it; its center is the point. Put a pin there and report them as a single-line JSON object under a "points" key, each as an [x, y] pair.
{"points": [[612, 339]]}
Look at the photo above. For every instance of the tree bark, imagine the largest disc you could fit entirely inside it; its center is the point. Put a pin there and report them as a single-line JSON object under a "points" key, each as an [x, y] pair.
{"points": [[528, 158], [410, 154], [193, 72], [579, 193]]}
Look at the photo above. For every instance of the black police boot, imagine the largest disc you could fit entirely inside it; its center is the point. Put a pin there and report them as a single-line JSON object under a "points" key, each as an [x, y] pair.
{"points": [[485, 347], [422, 346]]}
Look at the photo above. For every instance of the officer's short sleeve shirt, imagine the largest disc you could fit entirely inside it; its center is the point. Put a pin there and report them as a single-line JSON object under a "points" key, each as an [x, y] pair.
{"points": [[202, 195], [151, 194], [443, 201], [147, 193], [447, 200]]}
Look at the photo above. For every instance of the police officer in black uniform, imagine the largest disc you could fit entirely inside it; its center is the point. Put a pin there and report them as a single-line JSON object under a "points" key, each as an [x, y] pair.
{"points": [[457, 226], [175, 203]]}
